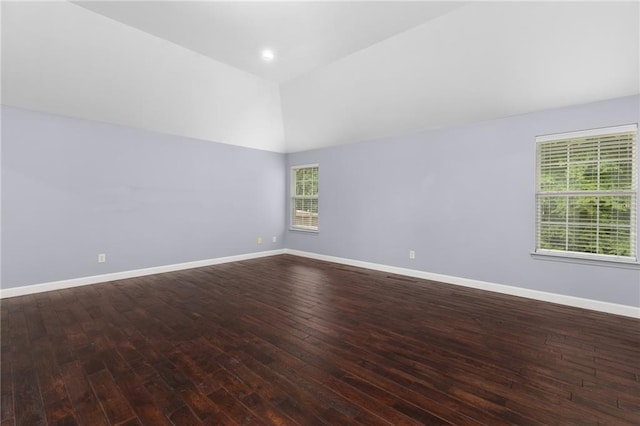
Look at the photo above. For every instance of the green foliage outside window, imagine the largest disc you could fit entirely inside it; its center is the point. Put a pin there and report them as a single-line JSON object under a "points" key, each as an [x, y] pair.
{"points": [[306, 181], [586, 195], [305, 197]]}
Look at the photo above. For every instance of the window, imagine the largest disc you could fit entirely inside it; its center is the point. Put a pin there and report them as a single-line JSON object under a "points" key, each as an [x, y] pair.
{"points": [[304, 197], [586, 196]]}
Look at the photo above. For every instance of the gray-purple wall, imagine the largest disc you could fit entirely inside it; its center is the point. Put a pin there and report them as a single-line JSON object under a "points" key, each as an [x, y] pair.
{"points": [[463, 199], [73, 188]]}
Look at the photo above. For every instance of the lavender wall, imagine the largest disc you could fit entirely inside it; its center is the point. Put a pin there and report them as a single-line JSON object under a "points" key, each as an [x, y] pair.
{"points": [[463, 199], [72, 189]]}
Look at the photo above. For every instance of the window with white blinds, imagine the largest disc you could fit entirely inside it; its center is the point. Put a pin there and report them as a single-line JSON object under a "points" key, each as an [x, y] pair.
{"points": [[304, 197], [587, 194]]}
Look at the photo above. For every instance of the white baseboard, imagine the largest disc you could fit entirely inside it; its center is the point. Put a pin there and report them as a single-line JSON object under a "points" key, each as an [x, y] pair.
{"points": [[95, 279], [578, 302], [595, 305]]}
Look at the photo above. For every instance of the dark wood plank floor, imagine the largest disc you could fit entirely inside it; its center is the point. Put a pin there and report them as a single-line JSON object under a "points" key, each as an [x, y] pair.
{"points": [[286, 340]]}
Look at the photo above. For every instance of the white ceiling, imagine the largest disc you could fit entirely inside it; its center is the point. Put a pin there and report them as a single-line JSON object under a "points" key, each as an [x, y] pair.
{"points": [[480, 62], [63, 59], [304, 35], [345, 71]]}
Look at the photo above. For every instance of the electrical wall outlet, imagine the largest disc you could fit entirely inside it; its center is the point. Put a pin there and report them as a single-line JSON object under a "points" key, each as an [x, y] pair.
{"points": [[259, 240], [274, 239], [412, 254], [102, 258]]}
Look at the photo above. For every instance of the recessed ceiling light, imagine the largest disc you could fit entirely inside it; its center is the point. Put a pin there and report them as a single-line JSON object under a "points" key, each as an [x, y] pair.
{"points": [[268, 55]]}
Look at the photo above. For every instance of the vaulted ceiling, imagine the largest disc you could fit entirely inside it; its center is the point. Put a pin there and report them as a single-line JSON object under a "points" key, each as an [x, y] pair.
{"points": [[343, 72], [304, 36]]}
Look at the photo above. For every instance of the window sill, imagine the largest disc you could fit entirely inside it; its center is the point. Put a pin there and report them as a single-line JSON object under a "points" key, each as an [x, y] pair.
{"points": [[305, 230], [586, 260]]}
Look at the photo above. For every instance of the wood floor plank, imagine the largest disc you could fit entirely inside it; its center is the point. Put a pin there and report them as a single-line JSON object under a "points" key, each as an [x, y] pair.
{"points": [[6, 374], [268, 399], [27, 398], [184, 416], [164, 397], [114, 404], [285, 340], [141, 400], [85, 403], [29, 407], [58, 406], [233, 408]]}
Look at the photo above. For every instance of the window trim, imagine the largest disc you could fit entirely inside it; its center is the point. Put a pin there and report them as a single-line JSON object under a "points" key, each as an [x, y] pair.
{"points": [[580, 257], [293, 197]]}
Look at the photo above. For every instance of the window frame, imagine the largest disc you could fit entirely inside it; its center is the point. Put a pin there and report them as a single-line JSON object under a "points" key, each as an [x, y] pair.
{"points": [[585, 256], [293, 197]]}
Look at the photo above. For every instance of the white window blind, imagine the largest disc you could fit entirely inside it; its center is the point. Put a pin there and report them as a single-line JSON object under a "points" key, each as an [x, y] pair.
{"points": [[304, 197], [587, 192]]}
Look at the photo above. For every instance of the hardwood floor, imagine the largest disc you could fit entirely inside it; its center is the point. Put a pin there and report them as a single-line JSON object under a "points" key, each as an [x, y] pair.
{"points": [[286, 340]]}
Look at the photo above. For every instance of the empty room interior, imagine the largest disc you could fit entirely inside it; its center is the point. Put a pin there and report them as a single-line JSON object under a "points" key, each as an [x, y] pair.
{"points": [[314, 212]]}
